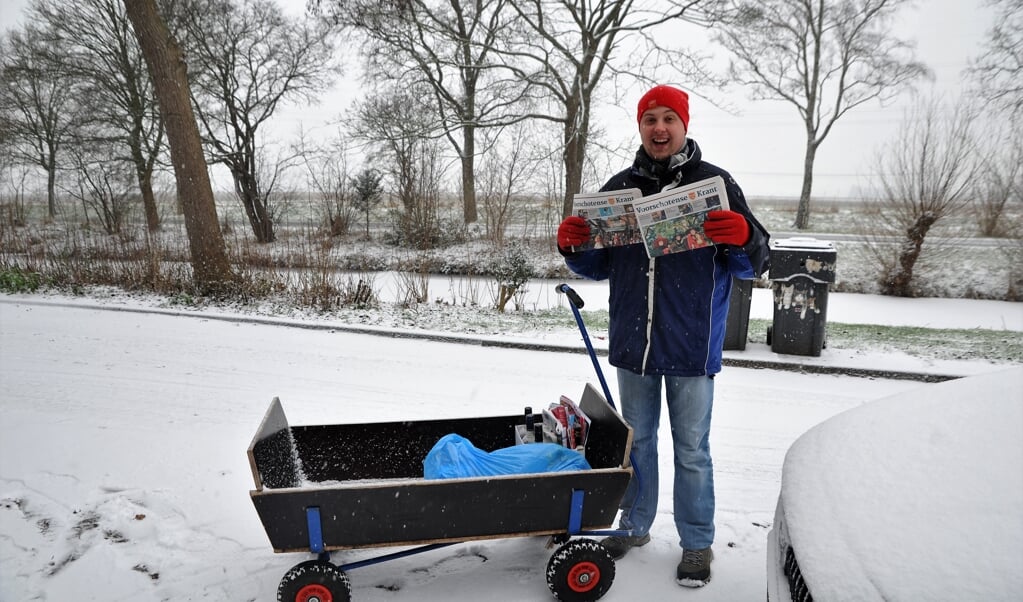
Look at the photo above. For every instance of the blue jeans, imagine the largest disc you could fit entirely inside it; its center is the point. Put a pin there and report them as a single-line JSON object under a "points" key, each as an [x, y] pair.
{"points": [[690, 400]]}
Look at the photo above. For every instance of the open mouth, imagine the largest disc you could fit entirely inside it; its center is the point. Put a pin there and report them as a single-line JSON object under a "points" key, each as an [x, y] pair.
{"points": [[660, 144]]}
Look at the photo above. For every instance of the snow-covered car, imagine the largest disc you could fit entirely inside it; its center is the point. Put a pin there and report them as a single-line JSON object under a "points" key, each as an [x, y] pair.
{"points": [[918, 496]]}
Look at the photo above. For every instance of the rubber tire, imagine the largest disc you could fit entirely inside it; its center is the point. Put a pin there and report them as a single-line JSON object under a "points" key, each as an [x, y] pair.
{"points": [[560, 538], [315, 581], [580, 571]]}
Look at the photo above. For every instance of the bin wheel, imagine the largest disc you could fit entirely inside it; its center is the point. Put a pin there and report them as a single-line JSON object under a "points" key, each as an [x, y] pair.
{"points": [[769, 335], [580, 571], [315, 581]]}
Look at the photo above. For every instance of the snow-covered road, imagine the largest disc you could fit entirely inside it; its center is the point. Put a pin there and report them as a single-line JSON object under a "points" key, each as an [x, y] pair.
{"points": [[123, 472]]}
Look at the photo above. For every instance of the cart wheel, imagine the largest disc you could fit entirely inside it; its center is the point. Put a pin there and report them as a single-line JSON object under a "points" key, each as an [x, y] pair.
{"points": [[314, 581], [580, 571]]}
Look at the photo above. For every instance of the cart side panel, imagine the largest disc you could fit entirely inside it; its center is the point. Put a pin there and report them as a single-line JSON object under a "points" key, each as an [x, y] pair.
{"points": [[272, 454], [389, 450], [610, 439], [422, 512]]}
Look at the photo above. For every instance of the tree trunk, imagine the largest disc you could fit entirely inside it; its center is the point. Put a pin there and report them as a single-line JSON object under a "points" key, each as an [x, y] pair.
{"points": [[144, 173], [573, 174], [575, 153], [149, 201], [803, 213], [899, 283], [247, 189], [211, 270], [51, 190], [469, 212]]}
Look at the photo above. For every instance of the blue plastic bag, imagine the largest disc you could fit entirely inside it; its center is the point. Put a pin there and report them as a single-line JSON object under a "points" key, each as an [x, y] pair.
{"points": [[455, 457]]}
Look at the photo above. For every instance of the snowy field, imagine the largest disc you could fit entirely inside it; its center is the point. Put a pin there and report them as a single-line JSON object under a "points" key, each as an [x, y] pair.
{"points": [[123, 472]]}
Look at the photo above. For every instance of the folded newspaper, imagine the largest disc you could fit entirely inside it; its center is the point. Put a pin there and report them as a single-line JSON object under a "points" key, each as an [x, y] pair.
{"points": [[666, 222], [610, 216], [565, 424]]}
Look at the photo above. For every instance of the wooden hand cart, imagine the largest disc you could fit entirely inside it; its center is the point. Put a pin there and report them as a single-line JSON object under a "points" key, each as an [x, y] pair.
{"points": [[325, 488]]}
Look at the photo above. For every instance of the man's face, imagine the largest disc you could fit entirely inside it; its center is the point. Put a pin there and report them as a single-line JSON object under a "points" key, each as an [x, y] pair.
{"points": [[662, 132]]}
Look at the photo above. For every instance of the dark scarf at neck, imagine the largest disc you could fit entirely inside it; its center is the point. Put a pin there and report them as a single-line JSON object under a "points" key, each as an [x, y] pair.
{"points": [[668, 172]]}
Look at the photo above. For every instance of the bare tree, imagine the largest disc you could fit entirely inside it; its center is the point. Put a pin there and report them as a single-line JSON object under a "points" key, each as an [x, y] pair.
{"points": [[566, 47], [445, 47], [327, 175], [999, 70], [39, 107], [823, 57], [925, 174], [405, 140], [98, 49], [999, 186], [505, 171], [996, 79], [211, 269], [13, 209], [102, 185], [247, 60]]}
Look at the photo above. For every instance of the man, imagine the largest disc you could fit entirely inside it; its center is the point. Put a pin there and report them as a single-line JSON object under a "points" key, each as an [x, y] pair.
{"points": [[667, 327]]}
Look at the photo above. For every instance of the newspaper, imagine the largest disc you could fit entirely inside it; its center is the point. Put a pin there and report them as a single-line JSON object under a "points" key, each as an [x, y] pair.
{"points": [[672, 221], [610, 216], [565, 424]]}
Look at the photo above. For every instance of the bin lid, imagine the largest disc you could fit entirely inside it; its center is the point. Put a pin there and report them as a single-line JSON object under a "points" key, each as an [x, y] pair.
{"points": [[803, 257], [803, 242]]}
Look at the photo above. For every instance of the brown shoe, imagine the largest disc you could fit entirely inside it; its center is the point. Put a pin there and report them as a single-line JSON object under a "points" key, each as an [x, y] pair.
{"points": [[694, 570]]}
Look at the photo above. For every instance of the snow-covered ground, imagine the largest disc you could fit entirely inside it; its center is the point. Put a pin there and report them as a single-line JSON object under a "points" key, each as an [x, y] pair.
{"points": [[123, 472]]}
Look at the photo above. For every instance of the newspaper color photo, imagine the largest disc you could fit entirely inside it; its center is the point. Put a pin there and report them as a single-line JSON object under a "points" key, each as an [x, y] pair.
{"points": [[672, 221], [610, 216]]}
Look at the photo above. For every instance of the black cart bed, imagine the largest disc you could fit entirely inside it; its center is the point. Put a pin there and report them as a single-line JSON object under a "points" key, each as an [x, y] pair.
{"points": [[361, 485]]}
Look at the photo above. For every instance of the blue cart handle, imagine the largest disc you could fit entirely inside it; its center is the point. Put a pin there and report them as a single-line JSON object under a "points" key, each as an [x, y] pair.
{"points": [[576, 302]]}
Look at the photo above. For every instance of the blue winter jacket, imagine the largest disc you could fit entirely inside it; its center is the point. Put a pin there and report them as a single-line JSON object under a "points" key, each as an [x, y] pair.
{"points": [[668, 314]]}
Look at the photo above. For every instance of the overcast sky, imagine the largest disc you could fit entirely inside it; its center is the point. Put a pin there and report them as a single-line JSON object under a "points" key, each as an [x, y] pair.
{"points": [[763, 147]]}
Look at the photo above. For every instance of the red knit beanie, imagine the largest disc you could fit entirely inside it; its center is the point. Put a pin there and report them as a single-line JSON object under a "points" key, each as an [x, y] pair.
{"points": [[665, 96]]}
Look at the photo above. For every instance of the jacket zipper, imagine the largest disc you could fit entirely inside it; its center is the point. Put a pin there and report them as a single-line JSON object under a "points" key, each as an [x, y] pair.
{"points": [[710, 303], [649, 313]]}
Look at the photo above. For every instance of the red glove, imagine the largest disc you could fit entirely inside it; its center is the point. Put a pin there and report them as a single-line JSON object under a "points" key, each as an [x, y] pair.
{"points": [[573, 232], [726, 227]]}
